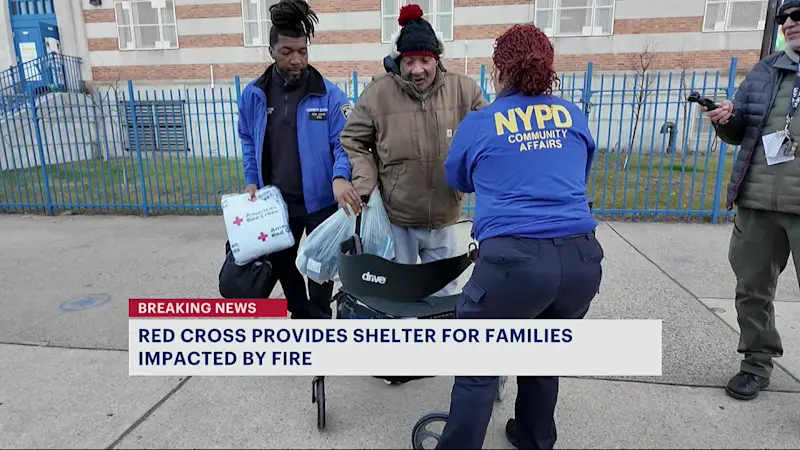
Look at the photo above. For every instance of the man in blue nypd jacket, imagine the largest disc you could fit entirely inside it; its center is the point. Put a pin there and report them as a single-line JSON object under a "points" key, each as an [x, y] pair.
{"points": [[527, 157], [290, 119]]}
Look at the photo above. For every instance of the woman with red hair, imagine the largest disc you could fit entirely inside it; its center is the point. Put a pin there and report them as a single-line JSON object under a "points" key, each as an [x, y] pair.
{"points": [[527, 158]]}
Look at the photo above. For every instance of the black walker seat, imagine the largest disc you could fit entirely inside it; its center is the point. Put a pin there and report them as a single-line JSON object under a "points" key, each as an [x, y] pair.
{"points": [[377, 288], [394, 290]]}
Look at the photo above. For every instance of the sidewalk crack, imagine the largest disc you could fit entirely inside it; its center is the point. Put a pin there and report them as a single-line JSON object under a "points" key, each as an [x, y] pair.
{"points": [[692, 295], [147, 414]]}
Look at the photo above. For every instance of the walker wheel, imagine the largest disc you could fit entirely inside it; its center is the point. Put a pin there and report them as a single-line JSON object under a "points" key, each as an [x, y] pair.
{"points": [[420, 432], [318, 397], [502, 387]]}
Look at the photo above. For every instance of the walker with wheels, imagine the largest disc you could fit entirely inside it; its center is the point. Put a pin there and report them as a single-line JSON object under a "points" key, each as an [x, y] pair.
{"points": [[398, 297]]}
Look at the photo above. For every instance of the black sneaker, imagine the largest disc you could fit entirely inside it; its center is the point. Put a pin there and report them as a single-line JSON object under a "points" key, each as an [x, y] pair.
{"points": [[512, 434], [395, 381], [746, 386]]}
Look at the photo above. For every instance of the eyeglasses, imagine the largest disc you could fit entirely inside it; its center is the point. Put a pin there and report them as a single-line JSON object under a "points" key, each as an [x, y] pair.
{"points": [[794, 15]]}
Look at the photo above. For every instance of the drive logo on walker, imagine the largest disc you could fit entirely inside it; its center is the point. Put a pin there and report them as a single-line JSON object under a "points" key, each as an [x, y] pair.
{"points": [[370, 278], [229, 337]]}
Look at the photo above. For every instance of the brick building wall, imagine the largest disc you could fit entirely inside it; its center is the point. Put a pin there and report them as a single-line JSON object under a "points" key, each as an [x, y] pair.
{"points": [[211, 33]]}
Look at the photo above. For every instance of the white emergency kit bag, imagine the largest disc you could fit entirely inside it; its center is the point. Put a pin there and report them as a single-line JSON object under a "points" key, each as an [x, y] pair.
{"points": [[256, 227]]}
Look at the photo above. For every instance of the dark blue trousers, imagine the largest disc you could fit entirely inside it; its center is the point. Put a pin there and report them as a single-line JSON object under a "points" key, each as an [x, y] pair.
{"points": [[516, 278]]}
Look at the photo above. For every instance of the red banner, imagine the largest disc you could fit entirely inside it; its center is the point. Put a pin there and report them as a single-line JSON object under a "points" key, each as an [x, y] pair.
{"points": [[192, 308]]}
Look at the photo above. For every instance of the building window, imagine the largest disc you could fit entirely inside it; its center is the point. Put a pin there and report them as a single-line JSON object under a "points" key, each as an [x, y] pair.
{"points": [[438, 12], [734, 15], [255, 15], [146, 24], [575, 17]]}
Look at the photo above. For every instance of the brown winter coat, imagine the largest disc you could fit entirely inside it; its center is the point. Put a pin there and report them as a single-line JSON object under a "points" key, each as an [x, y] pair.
{"points": [[394, 137]]}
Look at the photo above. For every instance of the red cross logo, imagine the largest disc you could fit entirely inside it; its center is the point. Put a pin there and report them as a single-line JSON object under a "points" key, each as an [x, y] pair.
{"points": [[237, 221], [262, 237]]}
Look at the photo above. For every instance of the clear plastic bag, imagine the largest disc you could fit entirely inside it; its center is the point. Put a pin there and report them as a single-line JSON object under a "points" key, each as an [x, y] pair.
{"points": [[376, 230], [318, 255]]}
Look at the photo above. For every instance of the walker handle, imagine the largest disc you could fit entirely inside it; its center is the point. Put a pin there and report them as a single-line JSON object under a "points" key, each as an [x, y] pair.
{"points": [[358, 225], [359, 218]]}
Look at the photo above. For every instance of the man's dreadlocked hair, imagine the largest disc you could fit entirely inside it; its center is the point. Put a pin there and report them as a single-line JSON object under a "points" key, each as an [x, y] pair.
{"points": [[291, 18]]}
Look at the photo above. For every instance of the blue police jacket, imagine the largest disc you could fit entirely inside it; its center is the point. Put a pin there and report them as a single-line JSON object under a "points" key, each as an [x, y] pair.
{"points": [[527, 159], [321, 115]]}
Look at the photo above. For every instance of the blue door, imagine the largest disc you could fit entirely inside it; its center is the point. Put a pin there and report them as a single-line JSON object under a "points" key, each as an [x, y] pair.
{"points": [[28, 49], [30, 21], [50, 37], [53, 71]]}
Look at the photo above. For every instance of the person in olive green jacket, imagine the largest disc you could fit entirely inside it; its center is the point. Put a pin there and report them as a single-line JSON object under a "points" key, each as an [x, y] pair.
{"points": [[398, 135], [765, 185]]}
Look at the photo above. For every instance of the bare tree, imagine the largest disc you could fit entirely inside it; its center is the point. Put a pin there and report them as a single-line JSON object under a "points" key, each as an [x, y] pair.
{"points": [[682, 95], [642, 81]]}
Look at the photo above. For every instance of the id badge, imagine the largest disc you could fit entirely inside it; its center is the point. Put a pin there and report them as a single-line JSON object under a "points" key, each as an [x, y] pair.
{"points": [[778, 148]]}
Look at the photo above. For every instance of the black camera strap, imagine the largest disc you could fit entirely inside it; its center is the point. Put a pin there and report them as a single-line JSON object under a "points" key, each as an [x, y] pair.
{"points": [[789, 145], [795, 101]]}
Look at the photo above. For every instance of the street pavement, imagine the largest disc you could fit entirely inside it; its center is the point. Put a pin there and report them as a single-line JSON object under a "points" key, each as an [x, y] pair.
{"points": [[64, 369]]}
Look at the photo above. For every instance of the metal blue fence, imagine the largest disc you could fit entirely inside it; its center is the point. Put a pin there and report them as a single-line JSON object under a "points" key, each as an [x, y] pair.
{"points": [[25, 82], [151, 151]]}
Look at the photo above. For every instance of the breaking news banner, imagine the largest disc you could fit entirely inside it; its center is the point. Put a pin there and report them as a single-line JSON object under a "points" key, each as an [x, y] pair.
{"points": [[197, 337]]}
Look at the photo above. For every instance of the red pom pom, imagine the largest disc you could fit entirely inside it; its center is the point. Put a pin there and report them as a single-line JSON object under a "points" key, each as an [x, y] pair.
{"points": [[408, 13]]}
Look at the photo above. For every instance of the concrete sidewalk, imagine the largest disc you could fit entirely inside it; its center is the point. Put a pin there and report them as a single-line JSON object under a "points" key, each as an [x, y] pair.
{"points": [[63, 362]]}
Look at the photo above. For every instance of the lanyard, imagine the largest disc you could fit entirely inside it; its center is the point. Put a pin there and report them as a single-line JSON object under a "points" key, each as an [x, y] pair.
{"points": [[795, 100]]}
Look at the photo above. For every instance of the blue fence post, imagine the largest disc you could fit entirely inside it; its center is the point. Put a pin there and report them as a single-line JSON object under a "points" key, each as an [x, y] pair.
{"points": [[355, 87], [138, 147], [238, 87], [238, 83], [723, 148], [482, 82], [40, 147], [587, 89]]}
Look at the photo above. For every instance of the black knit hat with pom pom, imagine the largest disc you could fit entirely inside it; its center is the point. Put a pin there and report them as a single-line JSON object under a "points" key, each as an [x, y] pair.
{"points": [[416, 36], [787, 5]]}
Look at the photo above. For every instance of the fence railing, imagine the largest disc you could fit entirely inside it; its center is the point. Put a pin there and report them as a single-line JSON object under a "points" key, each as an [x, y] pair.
{"points": [[150, 151], [27, 81]]}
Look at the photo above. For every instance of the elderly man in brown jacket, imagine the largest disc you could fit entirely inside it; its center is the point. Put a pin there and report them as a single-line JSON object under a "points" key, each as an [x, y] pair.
{"points": [[398, 135]]}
